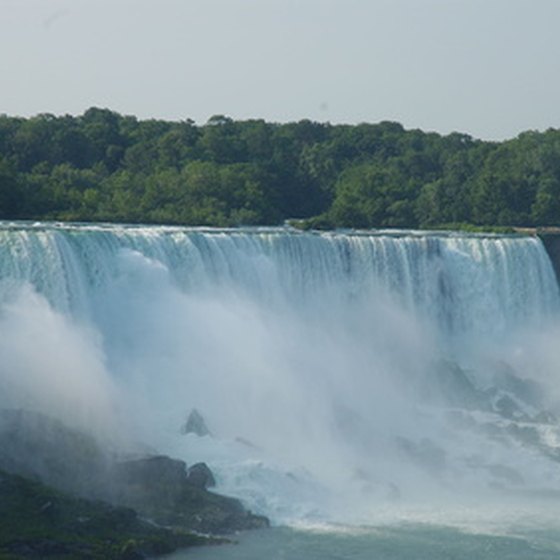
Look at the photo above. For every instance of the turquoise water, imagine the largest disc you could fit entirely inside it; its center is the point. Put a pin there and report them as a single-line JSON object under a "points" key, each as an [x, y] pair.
{"points": [[414, 542]]}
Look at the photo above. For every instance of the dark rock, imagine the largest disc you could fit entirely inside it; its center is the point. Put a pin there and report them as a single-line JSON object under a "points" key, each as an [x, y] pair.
{"points": [[155, 470], [80, 528], [38, 548], [195, 424], [159, 488], [130, 551], [200, 476], [150, 481], [551, 241]]}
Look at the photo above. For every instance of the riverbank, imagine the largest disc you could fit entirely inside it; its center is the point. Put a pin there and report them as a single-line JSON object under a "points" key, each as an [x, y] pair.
{"points": [[39, 522], [63, 493]]}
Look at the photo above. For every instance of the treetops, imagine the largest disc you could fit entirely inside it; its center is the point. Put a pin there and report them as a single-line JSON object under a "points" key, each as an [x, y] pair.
{"points": [[102, 166]]}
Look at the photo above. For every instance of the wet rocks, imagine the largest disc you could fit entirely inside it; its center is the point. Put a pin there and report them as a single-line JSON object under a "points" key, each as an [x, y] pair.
{"points": [[157, 487], [76, 528], [195, 424], [200, 476], [162, 489]]}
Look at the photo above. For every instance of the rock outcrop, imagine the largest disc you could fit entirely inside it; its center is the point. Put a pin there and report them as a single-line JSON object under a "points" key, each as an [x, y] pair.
{"points": [[195, 424], [161, 489], [39, 522], [200, 476], [551, 241], [158, 487]]}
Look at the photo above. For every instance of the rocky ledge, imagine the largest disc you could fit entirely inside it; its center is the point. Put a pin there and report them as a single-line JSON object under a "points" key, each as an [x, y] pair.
{"points": [[39, 522], [78, 500], [165, 491]]}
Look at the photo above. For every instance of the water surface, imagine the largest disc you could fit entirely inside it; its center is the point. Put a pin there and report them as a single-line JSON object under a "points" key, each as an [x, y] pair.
{"points": [[407, 542]]}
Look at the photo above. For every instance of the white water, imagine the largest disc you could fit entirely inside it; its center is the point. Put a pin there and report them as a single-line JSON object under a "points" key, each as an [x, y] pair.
{"points": [[311, 356]]}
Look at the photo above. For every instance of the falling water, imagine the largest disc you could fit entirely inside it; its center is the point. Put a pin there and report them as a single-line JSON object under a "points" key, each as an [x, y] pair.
{"points": [[333, 369]]}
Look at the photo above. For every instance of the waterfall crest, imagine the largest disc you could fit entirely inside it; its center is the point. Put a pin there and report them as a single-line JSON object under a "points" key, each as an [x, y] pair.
{"points": [[462, 282]]}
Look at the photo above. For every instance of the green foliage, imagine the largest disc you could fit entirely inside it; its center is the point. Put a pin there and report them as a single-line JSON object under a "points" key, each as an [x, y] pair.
{"points": [[105, 166], [472, 228], [10, 190], [39, 522]]}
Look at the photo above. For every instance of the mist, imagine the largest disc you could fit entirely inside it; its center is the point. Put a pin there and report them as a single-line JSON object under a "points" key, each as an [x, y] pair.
{"points": [[336, 373], [54, 365]]}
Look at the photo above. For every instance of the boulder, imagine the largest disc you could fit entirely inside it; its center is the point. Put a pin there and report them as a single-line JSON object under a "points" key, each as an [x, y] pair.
{"points": [[153, 480], [200, 476], [154, 470]]}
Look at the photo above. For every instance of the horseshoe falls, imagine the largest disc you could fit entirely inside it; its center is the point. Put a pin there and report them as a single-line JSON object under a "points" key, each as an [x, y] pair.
{"points": [[356, 378]]}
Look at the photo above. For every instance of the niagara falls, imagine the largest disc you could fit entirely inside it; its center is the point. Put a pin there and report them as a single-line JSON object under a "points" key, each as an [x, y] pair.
{"points": [[279, 280], [344, 379]]}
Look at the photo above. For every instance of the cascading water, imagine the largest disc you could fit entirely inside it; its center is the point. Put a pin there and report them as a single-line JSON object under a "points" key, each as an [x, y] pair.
{"points": [[332, 369]]}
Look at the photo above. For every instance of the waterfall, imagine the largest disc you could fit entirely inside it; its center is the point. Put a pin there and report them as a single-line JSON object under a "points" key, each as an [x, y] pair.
{"points": [[338, 353], [460, 282]]}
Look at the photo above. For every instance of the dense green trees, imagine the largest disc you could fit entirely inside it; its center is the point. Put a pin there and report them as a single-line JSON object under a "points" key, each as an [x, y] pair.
{"points": [[10, 197], [105, 166]]}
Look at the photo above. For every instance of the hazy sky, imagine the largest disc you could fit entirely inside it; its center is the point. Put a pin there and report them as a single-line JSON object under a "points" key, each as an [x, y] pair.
{"points": [[490, 68]]}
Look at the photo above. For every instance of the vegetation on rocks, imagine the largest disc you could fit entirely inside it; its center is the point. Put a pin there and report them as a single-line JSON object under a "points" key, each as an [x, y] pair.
{"points": [[80, 499], [39, 522]]}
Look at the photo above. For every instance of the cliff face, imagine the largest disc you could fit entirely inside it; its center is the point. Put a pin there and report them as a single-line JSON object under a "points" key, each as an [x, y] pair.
{"points": [[551, 240]]}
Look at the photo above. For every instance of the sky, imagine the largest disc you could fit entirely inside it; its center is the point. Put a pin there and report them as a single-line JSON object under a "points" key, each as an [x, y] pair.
{"points": [[488, 68]]}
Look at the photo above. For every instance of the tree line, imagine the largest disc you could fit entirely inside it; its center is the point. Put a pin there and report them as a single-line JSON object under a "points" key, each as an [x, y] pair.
{"points": [[103, 166]]}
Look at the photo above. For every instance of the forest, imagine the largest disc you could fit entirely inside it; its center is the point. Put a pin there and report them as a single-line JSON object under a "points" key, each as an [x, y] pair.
{"points": [[103, 166]]}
